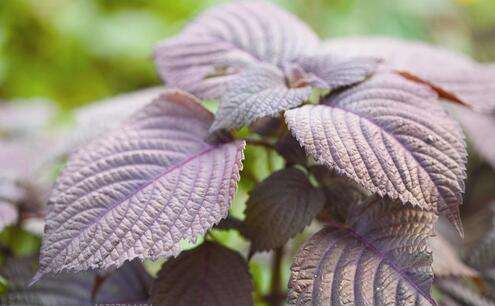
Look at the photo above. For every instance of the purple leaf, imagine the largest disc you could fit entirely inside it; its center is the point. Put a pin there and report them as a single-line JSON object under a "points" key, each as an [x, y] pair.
{"points": [[481, 254], [23, 184], [446, 261], [454, 75], [8, 214], [209, 275], [139, 191], [25, 117], [18, 159], [458, 291], [480, 130], [382, 258], [280, 207], [10, 191], [27, 160], [127, 285], [99, 117], [259, 91], [328, 71], [22, 181], [288, 147], [224, 39], [267, 126], [340, 193], [392, 137], [448, 233]]}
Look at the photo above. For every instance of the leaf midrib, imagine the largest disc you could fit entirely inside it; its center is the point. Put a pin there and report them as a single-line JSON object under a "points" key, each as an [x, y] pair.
{"points": [[368, 245], [198, 154]]}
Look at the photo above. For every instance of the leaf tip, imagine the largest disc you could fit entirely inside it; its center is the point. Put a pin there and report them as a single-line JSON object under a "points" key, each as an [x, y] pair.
{"points": [[36, 278], [455, 220], [460, 230]]}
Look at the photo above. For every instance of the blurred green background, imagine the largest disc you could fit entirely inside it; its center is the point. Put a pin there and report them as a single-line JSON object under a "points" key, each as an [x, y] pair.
{"points": [[77, 51]]}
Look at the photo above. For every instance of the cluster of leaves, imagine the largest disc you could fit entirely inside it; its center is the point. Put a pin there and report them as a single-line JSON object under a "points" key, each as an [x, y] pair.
{"points": [[370, 154], [24, 184]]}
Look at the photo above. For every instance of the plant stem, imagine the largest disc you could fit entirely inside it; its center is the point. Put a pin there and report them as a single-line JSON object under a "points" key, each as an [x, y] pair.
{"points": [[98, 281], [269, 158], [276, 296]]}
